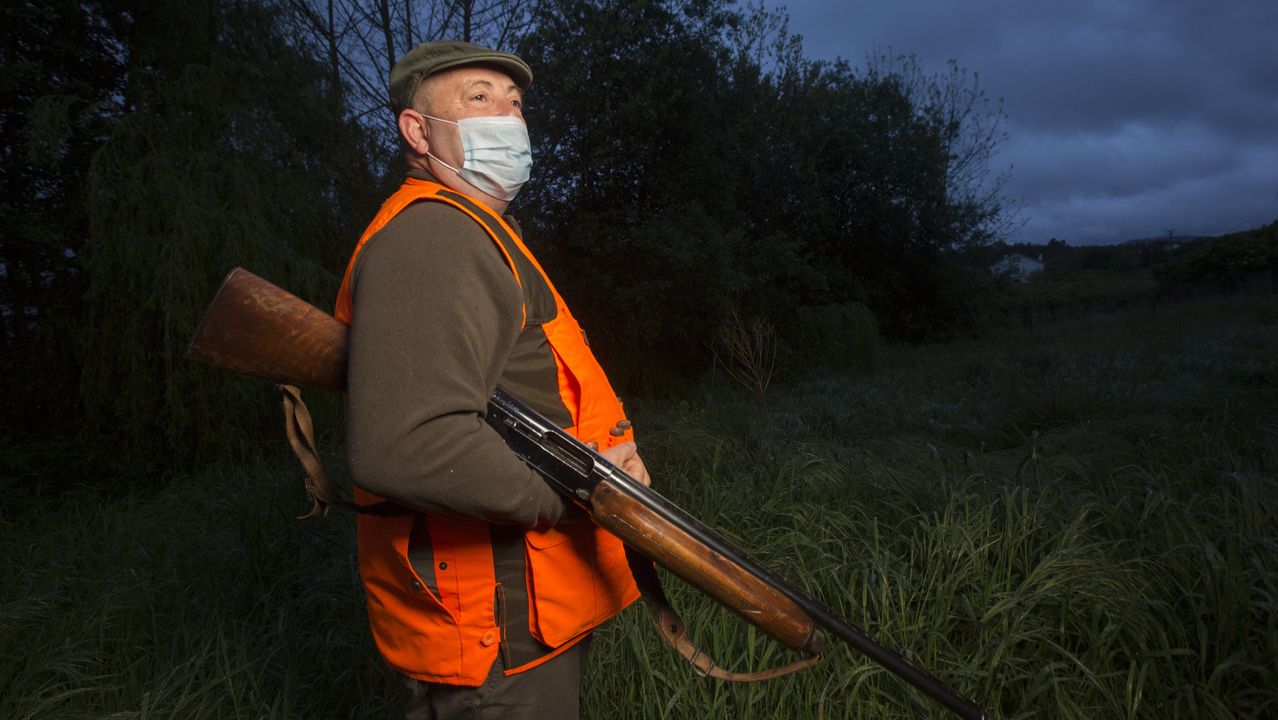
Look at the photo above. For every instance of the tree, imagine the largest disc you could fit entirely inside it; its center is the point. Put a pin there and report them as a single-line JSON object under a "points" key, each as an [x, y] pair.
{"points": [[359, 42], [691, 165], [969, 128], [635, 142], [164, 144], [229, 155], [60, 64]]}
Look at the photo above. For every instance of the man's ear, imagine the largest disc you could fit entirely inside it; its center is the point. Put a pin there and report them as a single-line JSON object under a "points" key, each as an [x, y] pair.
{"points": [[415, 130]]}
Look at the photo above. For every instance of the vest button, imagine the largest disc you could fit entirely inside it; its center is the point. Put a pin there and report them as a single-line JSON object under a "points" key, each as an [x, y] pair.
{"points": [[616, 432], [417, 585], [443, 566], [488, 639], [592, 445], [623, 424]]}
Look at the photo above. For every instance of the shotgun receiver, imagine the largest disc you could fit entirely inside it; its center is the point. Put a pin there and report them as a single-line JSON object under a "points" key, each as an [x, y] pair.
{"points": [[257, 328]]}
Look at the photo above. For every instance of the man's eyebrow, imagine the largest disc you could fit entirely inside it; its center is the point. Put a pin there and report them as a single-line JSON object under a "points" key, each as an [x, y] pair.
{"points": [[470, 84]]}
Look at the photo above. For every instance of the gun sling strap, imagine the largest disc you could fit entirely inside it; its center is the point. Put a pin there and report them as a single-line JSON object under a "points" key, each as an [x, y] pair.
{"points": [[301, 437]]}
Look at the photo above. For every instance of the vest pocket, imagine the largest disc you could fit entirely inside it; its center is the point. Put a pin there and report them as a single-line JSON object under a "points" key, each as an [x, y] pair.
{"points": [[421, 557], [414, 580], [562, 576], [546, 539]]}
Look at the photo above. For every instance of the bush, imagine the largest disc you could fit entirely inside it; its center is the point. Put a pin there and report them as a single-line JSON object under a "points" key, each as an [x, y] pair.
{"points": [[844, 336], [1228, 263]]}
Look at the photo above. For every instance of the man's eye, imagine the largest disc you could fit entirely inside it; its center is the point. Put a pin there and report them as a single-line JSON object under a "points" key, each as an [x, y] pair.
{"points": [[480, 98], [517, 103]]}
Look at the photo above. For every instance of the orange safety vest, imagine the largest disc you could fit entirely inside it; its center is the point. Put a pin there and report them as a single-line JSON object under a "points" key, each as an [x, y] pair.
{"points": [[577, 577]]}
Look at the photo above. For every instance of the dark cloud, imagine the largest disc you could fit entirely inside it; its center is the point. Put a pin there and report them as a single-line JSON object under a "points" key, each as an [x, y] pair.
{"points": [[1126, 119]]}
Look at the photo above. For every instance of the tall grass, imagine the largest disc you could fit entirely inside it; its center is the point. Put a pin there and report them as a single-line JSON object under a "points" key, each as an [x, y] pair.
{"points": [[1079, 522], [204, 600]]}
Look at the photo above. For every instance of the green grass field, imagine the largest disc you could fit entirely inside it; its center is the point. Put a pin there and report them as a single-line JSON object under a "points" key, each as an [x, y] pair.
{"points": [[1078, 521]]}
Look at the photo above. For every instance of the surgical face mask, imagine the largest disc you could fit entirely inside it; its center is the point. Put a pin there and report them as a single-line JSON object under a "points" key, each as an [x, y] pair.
{"points": [[497, 154]]}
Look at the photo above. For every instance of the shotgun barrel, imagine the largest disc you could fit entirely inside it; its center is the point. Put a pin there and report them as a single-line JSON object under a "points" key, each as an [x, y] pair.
{"points": [[616, 499]]}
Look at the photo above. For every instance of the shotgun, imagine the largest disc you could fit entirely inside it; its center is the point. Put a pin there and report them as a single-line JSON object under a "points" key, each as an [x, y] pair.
{"points": [[256, 328]]}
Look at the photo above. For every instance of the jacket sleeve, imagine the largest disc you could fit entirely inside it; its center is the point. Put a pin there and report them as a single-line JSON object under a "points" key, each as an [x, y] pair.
{"points": [[436, 313]]}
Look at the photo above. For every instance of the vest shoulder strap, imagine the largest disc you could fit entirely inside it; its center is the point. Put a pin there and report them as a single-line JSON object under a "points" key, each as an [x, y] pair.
{"points": [[540, 301]]}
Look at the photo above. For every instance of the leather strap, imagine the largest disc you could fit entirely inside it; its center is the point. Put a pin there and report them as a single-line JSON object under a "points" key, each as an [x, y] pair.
{"points": [[674, 631], [301, 437]]}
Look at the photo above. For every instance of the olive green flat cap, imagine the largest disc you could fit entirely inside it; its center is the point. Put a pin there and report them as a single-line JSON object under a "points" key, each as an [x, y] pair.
{"points": [[429, 58]]}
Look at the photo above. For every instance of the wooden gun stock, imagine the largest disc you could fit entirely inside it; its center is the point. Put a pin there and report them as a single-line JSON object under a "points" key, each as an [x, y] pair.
{"points": [[256, 328]]}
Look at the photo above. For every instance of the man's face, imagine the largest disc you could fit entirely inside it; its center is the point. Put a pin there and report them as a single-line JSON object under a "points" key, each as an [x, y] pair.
{"points": [[453, 95]]}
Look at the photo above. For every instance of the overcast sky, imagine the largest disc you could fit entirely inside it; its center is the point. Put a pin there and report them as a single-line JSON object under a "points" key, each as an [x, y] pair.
{"points": [[1126, 118]]}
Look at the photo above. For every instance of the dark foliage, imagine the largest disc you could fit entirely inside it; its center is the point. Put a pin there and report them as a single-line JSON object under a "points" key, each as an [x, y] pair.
{"points": [[204, 142], [60, 65], [1229, 263], [686, 178]]}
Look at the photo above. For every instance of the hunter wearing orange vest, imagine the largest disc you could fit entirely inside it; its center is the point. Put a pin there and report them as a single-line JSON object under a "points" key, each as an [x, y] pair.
{"points": [[483, 597]]}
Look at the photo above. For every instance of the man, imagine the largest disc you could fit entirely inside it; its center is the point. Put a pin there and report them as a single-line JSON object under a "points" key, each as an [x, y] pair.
{"points": [[483, 597]]}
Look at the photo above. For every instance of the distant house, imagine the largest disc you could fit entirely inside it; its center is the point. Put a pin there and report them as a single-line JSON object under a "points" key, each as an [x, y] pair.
{"points": [[1017, 267]]}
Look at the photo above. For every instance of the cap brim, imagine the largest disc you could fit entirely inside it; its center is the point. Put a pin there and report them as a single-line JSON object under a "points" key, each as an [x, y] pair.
{"points": [[517, 72]]}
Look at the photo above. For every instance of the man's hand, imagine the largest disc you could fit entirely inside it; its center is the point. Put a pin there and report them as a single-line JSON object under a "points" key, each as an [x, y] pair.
{"points": [[626, 457]]}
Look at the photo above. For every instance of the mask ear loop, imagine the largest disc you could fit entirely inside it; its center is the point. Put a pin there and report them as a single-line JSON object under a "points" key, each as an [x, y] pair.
{"points": [[431, 155], [440, 119], [441, 162]]}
